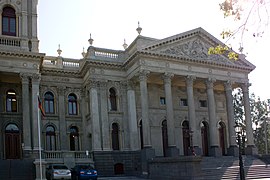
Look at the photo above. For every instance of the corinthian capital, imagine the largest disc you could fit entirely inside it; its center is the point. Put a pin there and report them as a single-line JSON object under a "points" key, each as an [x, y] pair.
{"points": [[210, 83], [167, 77], [143, 74], [189, 80]]}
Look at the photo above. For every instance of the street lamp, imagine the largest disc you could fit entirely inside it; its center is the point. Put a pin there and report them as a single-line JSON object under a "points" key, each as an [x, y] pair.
{"points": [[238, 130]]}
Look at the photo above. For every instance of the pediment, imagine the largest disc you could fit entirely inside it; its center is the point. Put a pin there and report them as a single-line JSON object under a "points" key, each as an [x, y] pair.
{"points": [[194, 45]]}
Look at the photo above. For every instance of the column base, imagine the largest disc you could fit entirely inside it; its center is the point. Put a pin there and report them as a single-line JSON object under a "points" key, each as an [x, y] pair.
{"points": [[215, 151], [233, 151], [40, 175], [146, 154], [173, 151], [251, 150]]}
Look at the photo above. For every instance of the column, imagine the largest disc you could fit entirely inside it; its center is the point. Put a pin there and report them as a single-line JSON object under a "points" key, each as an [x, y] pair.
{"points": [[85, 139], [132, 117], [26, 112], [147, 152], [214, 143], [251, 149], [34, 39], [144, 109], [94, 114], [191, 114], [232, 150], [172, 150], [35, 109], [104, 116], [62, 122], [125, 131]]}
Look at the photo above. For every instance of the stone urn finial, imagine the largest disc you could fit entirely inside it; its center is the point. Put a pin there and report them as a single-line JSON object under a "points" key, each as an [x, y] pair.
{"points": [[83, 53], [59, 51], [125, 44], [139, 29], [90, 40]]}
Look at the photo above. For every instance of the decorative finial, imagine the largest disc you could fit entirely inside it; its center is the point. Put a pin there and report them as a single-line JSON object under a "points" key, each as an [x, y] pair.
{"points": [[139, 29], [59, 51], [83, 53], [125, 44], [90, 40]]}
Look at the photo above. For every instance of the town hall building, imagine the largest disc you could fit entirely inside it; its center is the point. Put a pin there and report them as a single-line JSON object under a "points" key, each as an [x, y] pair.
{"points": [[116, 108]]}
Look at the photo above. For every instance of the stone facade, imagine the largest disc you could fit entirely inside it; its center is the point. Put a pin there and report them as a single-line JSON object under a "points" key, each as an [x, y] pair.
{"points": [[158, 97]]}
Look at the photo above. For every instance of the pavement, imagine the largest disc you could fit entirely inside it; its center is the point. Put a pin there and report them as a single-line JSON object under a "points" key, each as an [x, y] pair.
{"points": [[121, 178]]}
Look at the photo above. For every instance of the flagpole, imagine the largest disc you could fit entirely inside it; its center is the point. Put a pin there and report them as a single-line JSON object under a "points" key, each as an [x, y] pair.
{"points": [[39, 143]]}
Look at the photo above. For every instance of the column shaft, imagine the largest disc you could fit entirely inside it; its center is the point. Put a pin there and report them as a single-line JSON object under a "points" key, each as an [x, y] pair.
{"points": [[169, 109], [250, 138], [35, 109], [144, 109], [132, 117], [62, 121], [104, 117], [94, 111], [191, 110], [26, 112], [212, 114], [230, 113]]}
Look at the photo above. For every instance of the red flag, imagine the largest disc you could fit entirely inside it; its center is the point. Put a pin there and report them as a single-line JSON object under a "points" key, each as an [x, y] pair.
{"points": [[40, 107]]}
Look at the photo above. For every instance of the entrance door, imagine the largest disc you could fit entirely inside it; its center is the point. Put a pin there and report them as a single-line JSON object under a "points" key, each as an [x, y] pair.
{"points": [[204, 134], [186, 137], [12, 142], [165, 138], [221, 130]]}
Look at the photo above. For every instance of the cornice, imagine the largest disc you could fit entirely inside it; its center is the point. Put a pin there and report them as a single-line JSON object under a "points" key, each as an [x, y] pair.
{"points": [[188, 60], [22, 54]]}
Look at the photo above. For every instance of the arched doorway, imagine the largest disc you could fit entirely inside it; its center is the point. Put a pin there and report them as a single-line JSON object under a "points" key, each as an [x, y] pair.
{"points": [[115, 136], [12, 142], [165, 138], [186, 137], [222, 131], [204, 134], [141, 134], [74, 139]]}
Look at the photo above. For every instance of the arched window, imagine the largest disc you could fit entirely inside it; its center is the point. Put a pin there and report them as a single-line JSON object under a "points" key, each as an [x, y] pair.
{"points": [[50, 138], [72, 104], [113, 99], [74, 138], [115, 136], [49, 103], [9, 21], [11, 101]]}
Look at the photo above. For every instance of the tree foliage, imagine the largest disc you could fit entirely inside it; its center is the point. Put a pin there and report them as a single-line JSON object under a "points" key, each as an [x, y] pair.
{"points": [[250, 16], [259, 118]]}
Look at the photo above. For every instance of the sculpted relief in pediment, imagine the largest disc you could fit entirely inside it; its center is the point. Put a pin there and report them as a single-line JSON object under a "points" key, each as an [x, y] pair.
{"points": [[193, 49]]}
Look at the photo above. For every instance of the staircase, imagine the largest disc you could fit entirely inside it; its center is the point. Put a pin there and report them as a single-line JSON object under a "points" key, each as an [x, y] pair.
{"points": [[227, 167], [17, 170]]}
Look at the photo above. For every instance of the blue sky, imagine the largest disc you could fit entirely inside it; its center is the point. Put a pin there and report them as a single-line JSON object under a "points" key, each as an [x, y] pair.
{"points": [[69, 23]]}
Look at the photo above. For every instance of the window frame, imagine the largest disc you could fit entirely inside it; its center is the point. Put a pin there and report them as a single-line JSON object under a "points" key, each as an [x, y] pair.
{"points": [[49, 105], [72, 104], [11, 101], [9, 21]]}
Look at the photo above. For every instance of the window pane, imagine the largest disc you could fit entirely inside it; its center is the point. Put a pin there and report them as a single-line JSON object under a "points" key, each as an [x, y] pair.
{"points": [[8, 105], [12, 25], [69, 108], [74, 108], [5, 24], [46, 107], [51, 107]]}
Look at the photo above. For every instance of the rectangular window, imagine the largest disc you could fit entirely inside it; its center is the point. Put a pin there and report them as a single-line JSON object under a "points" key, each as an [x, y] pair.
{"points": [[203, 103], [162, 100], [183, 102]]}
